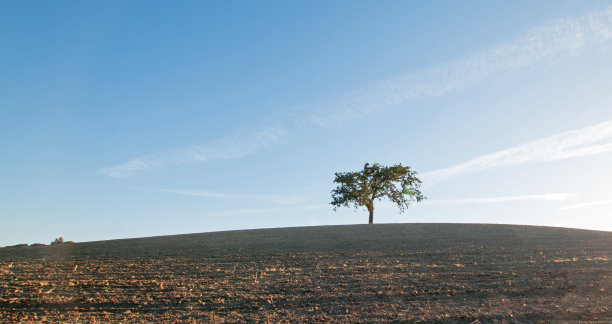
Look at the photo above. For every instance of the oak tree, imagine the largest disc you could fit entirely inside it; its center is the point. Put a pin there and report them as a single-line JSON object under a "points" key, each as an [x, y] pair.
{"points": [[374, 182]]}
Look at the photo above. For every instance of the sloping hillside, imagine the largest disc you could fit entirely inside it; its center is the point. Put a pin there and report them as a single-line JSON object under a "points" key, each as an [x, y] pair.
{"points": [[411, 272]]}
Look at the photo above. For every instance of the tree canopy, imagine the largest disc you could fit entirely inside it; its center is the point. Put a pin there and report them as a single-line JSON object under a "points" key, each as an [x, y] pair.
{"points": [[362, 188]]}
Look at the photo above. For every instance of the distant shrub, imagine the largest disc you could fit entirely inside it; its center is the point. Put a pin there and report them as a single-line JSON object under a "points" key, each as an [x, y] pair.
{"points": [[59, 240]]}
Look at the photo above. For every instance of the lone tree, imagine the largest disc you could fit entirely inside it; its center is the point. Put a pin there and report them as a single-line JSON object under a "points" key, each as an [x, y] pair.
{"points": [[362, 188]]}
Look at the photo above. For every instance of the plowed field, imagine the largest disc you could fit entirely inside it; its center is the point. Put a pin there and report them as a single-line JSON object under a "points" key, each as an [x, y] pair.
{"points": [[389, 272]]}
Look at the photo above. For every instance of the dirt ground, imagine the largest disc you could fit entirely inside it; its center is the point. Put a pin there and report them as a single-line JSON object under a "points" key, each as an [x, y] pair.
{"points": [[390, 272]]}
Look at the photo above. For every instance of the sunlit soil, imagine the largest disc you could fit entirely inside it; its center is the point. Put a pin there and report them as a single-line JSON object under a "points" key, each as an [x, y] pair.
{"points": [[413, 272]]}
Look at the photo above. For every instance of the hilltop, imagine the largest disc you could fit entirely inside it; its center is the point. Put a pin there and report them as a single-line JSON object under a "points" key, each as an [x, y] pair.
{"points": [[407, 272]]}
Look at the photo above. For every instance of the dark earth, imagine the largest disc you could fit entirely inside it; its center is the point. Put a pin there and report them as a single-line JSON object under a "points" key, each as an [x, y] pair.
{"points": [[466, 273]]}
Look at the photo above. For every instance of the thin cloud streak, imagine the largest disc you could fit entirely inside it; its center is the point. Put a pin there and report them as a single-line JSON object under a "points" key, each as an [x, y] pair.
{"points": [[232, 147], [593, 140], [546, 197], [198, 193], [588, 204], [541, 43], [267, 210], [491, 200], [279, 199]]}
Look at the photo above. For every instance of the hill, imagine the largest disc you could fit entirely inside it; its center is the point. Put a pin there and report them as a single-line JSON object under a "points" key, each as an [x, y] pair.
{"points": [[384, 272]]}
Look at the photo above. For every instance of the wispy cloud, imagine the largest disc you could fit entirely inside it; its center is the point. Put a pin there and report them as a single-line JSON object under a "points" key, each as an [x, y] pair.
{"points": [[268, 210], [488, 200], [596, 139], [240, 144], [588, 204], [546, 41], [546, 197], [279, 199], [207, 194], [541, 43]]}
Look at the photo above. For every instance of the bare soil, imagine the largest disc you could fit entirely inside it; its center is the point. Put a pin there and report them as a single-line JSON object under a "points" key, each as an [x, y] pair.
{"points": [[373, 273]]}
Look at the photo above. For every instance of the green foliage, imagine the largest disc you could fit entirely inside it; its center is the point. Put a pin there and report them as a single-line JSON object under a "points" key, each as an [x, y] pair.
{"points": [[362, 188], [59, 240]]}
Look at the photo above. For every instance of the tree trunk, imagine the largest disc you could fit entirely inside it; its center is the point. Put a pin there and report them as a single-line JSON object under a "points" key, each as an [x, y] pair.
{"points": [[371, 210]]}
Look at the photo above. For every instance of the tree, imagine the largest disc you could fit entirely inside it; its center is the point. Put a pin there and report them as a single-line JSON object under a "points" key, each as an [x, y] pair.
{"points": [[362, 188]]}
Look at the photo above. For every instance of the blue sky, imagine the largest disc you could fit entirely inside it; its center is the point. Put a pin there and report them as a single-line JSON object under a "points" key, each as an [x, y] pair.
{"points": [[129, 119]]}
